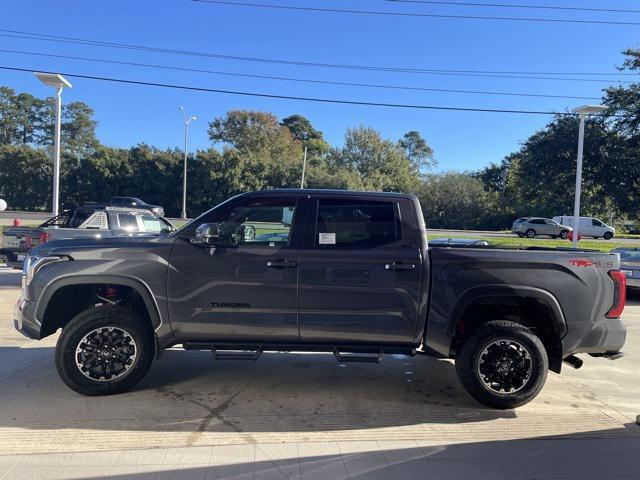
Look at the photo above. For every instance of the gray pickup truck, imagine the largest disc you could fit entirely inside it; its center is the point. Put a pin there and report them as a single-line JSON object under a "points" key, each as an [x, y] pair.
{"points": [[81, 222], [348, 273]]}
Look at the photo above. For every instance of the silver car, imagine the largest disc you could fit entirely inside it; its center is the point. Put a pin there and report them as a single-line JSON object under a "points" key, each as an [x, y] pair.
{"points": [[630, 265], [531, 227]]}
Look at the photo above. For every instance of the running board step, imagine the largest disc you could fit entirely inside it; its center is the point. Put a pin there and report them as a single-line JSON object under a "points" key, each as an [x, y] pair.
{"points": [[357, 358], [236, 354]]}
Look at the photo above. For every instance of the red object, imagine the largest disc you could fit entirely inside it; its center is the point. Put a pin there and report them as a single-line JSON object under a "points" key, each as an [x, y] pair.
{"points": [[44, 237], [570, 236], [17, 222], [619, 294], [111, 292]]}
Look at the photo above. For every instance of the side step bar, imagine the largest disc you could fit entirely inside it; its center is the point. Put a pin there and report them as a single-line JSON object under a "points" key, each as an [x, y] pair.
{"points": [[354, 358], [236, 354]]}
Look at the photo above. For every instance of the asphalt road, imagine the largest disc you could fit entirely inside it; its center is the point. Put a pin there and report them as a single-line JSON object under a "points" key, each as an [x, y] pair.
{"points": [[306, 416]]}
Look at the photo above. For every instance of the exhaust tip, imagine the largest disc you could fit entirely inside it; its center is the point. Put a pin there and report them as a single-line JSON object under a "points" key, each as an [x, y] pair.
{"points": [[574, 361]]}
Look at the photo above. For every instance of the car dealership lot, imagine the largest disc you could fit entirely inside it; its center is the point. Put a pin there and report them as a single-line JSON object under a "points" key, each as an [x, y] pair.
{"points": [[305, 415]]}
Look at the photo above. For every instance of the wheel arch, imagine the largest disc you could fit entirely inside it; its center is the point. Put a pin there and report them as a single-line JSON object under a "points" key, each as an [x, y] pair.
{"points": [[532, 307], [77, 284]]}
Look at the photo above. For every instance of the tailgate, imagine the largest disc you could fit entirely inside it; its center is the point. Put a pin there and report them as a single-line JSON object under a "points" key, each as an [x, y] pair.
{"points": [[20, 238]]}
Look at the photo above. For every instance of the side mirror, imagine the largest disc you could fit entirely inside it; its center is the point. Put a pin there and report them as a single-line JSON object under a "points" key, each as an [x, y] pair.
{"points": [[206, 235]]}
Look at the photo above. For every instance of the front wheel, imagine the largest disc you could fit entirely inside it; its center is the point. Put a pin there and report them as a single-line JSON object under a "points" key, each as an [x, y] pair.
{"points": [[564, 234], [502, 365], [104, 350], [608, 236]]}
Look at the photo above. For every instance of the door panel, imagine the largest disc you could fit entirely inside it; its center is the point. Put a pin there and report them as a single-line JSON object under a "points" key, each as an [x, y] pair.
{"points": [[233, 295], [245, 288], [357, 294]]}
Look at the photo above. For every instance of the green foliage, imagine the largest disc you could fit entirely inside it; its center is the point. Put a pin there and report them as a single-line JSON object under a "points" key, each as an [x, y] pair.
{"points": [[455, 200], [25, 177], [417, 150], [375, 163]]}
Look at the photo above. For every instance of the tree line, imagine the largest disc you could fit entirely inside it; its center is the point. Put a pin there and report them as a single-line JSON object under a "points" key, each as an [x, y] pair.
{"points": [[253, 150]]}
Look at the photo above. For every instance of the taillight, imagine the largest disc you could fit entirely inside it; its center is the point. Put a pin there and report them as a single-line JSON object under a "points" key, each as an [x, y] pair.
{"points": [[44, 237], [619, 293]]}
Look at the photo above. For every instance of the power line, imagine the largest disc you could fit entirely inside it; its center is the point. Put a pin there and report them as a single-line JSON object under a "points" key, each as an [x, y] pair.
{"points": [[513, 5], [290, 97], [300, 80], [408, 14], [410, 70]]}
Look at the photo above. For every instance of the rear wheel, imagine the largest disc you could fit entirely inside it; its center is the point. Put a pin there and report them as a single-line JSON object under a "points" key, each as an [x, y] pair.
{"points": [[502, 365], [104, 350], [530, 233], [521, 235]]}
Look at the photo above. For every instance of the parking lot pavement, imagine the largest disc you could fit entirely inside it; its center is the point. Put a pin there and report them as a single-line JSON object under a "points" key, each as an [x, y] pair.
{"points": [[305, 416]]}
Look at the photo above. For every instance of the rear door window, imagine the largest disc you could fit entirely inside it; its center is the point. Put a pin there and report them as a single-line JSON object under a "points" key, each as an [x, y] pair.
{"points": [[128, 222], [356, 224]]}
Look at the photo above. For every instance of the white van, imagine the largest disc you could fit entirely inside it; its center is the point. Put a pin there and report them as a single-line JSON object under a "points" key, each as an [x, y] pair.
{"points": [[589, 227]]}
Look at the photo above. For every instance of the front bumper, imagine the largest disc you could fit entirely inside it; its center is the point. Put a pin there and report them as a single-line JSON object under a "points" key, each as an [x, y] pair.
{"points": [[24, 319]]}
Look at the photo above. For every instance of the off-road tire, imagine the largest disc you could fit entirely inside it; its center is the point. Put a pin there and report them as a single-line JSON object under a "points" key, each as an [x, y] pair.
{"points": [[468, 358], [531, 233], [93, 318]]}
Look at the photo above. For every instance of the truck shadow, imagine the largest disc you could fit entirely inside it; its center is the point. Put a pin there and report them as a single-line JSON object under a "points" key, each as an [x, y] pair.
{"points": [[190, 392]]}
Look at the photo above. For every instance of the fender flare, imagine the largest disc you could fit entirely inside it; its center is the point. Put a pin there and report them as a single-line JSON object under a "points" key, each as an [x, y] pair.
{"points": [[546, 298], [137, 285]]}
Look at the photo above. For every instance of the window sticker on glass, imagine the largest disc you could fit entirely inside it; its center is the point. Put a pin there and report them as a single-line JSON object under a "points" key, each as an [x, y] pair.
{"points": [[327, 238]]}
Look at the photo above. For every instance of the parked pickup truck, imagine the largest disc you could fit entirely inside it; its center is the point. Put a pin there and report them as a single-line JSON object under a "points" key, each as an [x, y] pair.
{"points": [[92, 220], [316, 270]]}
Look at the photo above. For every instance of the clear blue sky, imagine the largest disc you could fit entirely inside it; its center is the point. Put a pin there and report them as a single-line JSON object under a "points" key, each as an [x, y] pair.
{"points": [[130, 114]]}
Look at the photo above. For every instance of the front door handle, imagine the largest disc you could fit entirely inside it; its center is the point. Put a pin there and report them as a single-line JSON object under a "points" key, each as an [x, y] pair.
{"points": [[399, 266], [281, 263]]}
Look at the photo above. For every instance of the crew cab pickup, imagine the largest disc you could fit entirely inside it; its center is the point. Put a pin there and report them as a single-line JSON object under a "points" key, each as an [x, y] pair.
{"points": [[350, 273]]}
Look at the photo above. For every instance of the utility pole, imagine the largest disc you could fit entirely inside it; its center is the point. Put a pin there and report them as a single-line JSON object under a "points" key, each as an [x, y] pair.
{"points": [[187, 121], [304, 165], [582, 112]]}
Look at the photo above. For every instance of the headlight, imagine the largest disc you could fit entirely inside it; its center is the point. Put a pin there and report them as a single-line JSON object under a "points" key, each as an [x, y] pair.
{"points": [[34, 263]]}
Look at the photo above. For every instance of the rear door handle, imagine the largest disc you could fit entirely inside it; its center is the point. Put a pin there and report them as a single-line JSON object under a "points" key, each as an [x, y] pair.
{"points": [[281, 263], [399, 266]]}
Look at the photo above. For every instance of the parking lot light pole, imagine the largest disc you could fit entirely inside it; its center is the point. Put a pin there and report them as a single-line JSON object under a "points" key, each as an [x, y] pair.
{"points": [[58, 82], [187, 121], [582, 113]]}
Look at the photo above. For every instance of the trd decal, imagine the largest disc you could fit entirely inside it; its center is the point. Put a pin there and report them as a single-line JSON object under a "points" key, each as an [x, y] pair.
{"points": [[581, 262]]}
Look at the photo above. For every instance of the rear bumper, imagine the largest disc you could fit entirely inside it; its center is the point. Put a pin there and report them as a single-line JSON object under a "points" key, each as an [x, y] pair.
{"points": [[606, 337], [24, 319], [10, 257]]}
